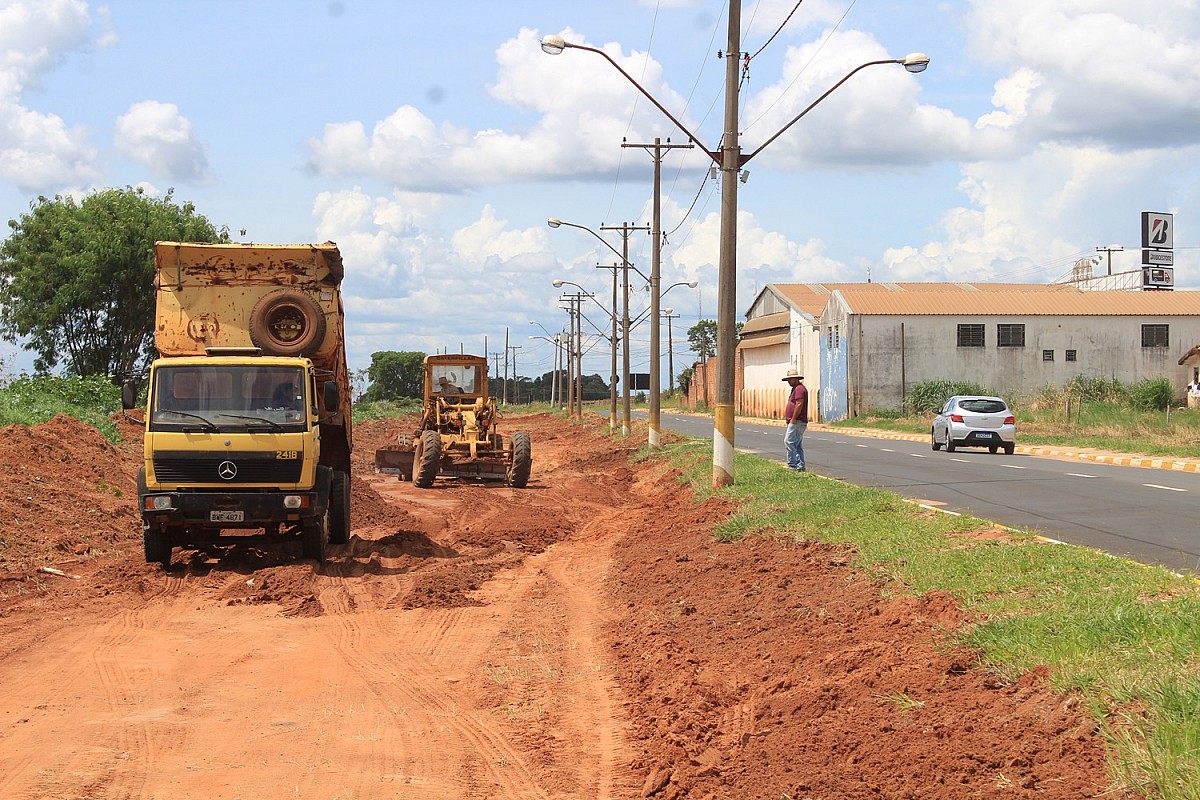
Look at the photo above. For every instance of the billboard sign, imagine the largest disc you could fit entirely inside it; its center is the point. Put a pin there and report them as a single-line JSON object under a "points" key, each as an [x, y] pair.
{"points": [[1158, 230], [1158, 278]]}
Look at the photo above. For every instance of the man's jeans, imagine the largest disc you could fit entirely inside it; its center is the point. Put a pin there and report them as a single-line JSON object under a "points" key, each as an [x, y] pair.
{"points": [[793, 439]]}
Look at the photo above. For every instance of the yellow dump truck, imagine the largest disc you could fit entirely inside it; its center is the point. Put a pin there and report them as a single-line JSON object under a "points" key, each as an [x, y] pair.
{"points": [[248, 404]]}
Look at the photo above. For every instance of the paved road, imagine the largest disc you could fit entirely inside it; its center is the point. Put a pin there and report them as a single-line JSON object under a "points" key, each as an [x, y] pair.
{"points": [[1141, 509]]}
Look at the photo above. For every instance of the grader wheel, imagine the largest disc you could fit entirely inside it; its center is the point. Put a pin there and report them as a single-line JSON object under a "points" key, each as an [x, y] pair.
{"points": [[428, 459]]}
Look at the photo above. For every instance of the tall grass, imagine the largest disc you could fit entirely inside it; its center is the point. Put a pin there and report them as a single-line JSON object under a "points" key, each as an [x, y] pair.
{"points": [[1105, 414], [32, 400]]}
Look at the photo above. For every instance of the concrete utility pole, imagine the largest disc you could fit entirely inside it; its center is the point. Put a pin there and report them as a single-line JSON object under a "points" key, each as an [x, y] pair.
{"points": [[506, 348], [625, 228], [656, 288], [670, 352], [730, 160], [516, 380], [495, 369]]}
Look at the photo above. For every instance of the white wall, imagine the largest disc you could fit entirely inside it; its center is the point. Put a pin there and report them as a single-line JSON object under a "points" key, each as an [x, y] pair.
{"points": [[924, 348]]}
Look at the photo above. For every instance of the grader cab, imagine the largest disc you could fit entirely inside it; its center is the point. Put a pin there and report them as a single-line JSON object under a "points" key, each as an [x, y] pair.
{"points": [[458, 433]]}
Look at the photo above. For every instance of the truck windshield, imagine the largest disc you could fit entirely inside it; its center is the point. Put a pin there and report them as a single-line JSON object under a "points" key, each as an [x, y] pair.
{"points": [[231, 397]]}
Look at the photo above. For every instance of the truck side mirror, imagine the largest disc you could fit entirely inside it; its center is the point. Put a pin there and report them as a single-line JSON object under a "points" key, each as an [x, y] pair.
{"points": [[332, 396], [129, 392]]}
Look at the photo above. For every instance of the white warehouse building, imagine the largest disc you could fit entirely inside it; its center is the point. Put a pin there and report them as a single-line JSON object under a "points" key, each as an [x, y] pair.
{"points": [[860, 346]]}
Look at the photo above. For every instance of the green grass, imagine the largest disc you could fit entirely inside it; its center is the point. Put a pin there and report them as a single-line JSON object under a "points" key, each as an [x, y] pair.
{"points": [[1126, 637], [35, 400]]}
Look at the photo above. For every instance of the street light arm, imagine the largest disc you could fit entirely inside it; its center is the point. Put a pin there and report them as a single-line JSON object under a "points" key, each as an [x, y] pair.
{"points": [[905, 61], [556, 44], [554, 222]]}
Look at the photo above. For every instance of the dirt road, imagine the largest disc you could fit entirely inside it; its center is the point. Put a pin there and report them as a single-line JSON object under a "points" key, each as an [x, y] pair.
{"points": [[581, 638]]}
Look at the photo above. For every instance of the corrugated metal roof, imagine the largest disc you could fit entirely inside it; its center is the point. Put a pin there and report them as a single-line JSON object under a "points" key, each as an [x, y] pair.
{"points": [[780, 319], [1023, 301], [811, 297]]}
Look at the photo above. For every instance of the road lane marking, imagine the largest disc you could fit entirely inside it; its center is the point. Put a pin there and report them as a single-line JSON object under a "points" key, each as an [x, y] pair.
{"points": [[887, 450], [1165, 488], [1079, 475], [1012, 466], [962, 460]]}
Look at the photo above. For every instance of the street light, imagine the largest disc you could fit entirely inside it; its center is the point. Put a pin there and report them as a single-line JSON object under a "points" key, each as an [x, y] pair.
{"points": [[554, 222], [553, 339], [730, 160]]}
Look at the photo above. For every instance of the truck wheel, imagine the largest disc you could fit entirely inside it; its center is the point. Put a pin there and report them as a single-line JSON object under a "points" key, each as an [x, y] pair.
{"points": [[314, 538], [287, 322], [429, 459], [339, 508], [518, 473]]}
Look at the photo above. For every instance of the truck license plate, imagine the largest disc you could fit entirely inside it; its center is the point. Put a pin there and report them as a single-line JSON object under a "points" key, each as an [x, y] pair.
{"points": [[226, 516]]}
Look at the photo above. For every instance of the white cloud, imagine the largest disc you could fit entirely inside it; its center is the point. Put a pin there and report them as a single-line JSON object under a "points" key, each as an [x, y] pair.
{"points": [[1113, 71], [40, 151], [157, 135]]}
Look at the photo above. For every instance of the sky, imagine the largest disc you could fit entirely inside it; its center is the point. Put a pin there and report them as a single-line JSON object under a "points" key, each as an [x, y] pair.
{"points": [[432, 142]]}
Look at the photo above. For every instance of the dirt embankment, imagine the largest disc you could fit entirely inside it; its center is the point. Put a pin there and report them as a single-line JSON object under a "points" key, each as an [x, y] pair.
{"points": [[581, 638]]}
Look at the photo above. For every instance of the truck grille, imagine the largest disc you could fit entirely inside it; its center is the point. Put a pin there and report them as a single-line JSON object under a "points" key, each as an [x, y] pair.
{"points": [[226, 468]]}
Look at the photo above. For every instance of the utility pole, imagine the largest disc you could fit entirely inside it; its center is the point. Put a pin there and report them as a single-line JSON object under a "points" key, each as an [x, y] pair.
{"points": [[656, 287], [731, 162], [625, 228], [612, 341], [495, 369], [670, 352], [504, 393], [1112, 248], [516, 380]]}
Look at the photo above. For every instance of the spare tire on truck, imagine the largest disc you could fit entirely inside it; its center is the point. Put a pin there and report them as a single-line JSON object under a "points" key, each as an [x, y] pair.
{"points": [[287, 322]]}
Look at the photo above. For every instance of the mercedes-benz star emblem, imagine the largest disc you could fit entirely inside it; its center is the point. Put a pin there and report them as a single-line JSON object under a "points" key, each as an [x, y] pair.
{"points": [[227, 470]]}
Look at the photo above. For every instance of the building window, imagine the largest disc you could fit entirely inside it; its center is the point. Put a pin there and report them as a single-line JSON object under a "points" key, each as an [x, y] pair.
{"points": [[1070, 356], [970, 335], [837, 341], [1010, 335], [1047, 355], [1156, 335]]}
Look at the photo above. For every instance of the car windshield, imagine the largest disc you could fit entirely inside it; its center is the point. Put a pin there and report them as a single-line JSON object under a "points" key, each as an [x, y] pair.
{"points": [[981, 406]]}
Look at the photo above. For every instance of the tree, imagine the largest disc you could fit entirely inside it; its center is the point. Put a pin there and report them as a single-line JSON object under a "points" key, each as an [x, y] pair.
{"points": [[703, 337], [396, 375], [684, 379], [77, 278]]}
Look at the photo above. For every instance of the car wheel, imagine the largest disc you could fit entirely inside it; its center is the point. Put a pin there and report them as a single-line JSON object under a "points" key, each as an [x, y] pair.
{"points": [[1009, 449], [993, 448], [933, 442], [950, 448]]}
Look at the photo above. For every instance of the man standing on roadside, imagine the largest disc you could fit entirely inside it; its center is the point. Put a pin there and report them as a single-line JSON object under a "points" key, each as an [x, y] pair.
{"points": [[796, 414]]}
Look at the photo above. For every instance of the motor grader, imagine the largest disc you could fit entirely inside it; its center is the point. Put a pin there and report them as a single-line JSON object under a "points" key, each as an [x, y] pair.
{"points": [[458, 433]]}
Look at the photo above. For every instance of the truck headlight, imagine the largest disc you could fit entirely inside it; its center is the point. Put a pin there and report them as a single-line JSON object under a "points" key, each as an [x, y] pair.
{"points": [[159, 502], [293, 501]]}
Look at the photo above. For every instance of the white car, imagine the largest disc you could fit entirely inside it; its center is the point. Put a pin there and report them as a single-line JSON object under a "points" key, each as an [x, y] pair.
{"points": [[974, 421]]}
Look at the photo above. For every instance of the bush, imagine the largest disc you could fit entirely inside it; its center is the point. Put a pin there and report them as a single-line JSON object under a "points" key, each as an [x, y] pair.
{"points": [[923, 397], [1105, 390], [1152, 394], [32, 400]]}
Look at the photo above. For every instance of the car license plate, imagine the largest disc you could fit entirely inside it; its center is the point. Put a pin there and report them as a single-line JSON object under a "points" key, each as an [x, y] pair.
{"points": [[984, 434], [226, 516]]}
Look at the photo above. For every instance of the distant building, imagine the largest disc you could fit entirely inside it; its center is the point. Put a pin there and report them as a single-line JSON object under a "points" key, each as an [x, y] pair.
{"points": [[861, 346]]}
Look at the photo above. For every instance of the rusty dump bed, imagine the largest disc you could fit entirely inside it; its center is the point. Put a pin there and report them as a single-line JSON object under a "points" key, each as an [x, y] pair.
{"points": [[207, 293]]}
